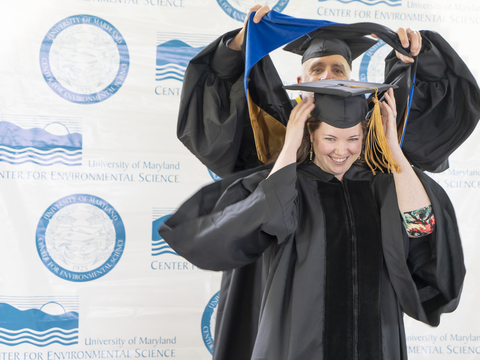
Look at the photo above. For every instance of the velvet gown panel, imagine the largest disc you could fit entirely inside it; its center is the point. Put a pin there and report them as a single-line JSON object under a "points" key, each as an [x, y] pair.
{"points": [[271, 238]]}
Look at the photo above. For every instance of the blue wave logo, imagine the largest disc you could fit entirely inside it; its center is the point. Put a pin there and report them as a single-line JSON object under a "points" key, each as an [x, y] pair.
{"points": [[50, 324], [51, 145], [159, 246], [370, 2], [172, 59]]}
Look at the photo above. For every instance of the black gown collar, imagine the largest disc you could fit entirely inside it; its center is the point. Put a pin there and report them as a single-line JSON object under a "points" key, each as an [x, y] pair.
{"points": [[313, 171]]}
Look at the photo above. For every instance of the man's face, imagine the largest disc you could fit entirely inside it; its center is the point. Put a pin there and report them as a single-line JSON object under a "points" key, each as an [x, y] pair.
{"points": [[324, 68]]}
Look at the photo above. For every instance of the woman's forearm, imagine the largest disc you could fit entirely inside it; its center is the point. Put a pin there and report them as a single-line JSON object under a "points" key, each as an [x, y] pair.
{"points": [[294, 134], [411, 194]]}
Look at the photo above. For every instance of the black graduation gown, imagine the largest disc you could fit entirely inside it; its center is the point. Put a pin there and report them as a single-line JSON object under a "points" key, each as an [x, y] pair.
{"points": [[213, 121], [292, 289], [446, 103]]}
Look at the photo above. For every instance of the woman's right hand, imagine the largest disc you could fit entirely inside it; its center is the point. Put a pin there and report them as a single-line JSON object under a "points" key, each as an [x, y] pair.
{"points": [[296, 124], [294, 133], [236, 43]]}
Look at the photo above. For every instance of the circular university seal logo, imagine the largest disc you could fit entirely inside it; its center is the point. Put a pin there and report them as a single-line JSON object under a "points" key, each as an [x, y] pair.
{"points": [[238, 9], [373, 63], [208, 322], [80, 237], [84, 59]]}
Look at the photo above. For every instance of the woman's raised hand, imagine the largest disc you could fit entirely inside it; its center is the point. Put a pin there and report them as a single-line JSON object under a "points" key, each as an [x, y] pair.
{"points": [[294, 134], [236, 43], [389, 120], [411, 194], [296, 124]]}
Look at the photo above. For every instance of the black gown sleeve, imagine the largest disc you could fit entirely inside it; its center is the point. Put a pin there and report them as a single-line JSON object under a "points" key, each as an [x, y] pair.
{"points": [[445, 107], [213, 121], [225, 63], [224, 230], [427, 274]]}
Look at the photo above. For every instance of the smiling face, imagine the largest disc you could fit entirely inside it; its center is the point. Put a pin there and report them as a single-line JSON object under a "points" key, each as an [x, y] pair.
{"points": [[336, 149], [324, 68]]}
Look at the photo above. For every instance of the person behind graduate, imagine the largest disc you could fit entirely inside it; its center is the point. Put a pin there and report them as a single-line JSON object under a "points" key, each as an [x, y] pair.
{"points": [[322, 256], [214, 122], [335, 66]]}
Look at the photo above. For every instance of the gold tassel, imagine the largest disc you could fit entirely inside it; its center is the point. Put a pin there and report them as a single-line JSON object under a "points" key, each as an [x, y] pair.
{"points": [[377, 151]]}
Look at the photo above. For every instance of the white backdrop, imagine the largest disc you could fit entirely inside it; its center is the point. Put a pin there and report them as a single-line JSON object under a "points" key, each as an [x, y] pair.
{"points": [[90, 166]]}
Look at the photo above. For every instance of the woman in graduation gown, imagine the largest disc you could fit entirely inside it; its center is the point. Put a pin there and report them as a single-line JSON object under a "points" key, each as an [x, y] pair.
{"points": [[322, 258]]}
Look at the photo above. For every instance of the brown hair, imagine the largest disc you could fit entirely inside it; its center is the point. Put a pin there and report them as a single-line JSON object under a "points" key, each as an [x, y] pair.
{"points": [[311, 125]]}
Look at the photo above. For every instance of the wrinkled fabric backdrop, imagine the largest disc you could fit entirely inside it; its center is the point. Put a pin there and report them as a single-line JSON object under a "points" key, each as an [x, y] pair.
{"points": [[90, 166]]}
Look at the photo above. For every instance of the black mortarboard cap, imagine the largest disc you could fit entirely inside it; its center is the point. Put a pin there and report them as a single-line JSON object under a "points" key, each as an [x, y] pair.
{"points": [[340, 103], [350, 49], [347, 40]]}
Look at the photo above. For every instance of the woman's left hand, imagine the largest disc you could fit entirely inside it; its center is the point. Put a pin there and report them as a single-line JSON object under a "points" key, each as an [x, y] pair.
{"points": [[389, 119], [411, 194]]}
